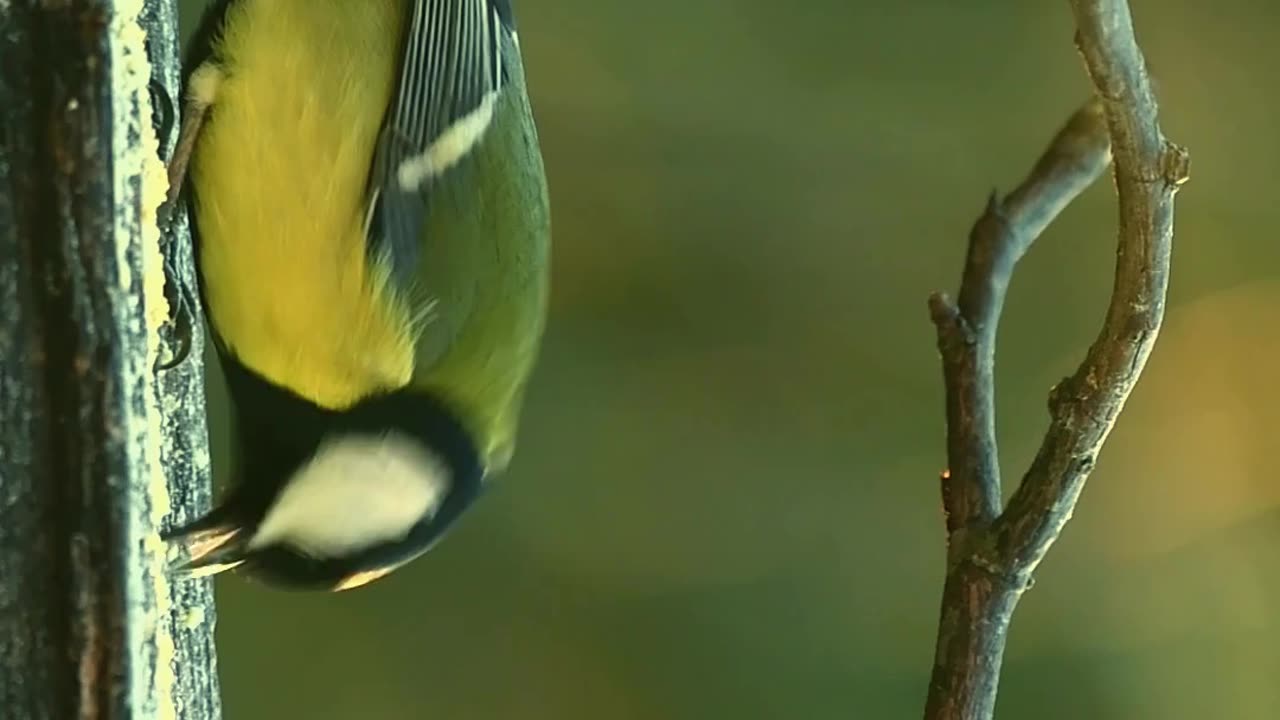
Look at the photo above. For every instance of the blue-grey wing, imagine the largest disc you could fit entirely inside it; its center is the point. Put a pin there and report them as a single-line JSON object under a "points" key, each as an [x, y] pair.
{"points": [[451, 73]]}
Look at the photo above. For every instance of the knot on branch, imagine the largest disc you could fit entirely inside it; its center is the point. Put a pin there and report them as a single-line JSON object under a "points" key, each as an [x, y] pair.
{"points": [[1175, 164], [1060, 395], [993, 222], [975, 549], [1002, 572], [954, 332]]}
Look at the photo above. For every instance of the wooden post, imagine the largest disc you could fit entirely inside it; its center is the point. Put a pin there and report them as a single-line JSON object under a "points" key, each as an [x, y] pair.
{"points": [[97, 447]]}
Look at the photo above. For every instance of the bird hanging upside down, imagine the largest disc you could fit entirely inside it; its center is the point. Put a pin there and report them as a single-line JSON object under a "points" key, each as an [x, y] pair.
{"points": [[372, 234]]}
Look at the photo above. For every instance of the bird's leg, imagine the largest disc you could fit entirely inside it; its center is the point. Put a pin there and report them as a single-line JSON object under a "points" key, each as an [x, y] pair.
{"points": [[192, 119], [201, 93], [182, 311]]}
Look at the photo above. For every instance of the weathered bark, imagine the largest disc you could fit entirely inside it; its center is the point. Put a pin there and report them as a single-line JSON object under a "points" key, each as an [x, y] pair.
{"points": [[96, 446]]}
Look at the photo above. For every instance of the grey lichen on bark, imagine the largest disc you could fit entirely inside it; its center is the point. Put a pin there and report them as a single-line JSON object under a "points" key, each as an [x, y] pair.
{"points": [[97, 446]]}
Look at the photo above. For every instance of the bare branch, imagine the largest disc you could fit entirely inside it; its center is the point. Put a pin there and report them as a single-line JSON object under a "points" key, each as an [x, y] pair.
{"points": [[992, 554], [967, 329], [1084, 407], [980, 591]]}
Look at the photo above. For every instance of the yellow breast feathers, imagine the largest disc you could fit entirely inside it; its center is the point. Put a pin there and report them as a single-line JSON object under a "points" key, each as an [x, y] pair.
{"points": [[279, 174]]}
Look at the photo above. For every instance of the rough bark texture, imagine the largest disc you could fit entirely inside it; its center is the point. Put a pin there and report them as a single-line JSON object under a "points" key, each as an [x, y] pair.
{"points": [[992, 553], [185, 449], [92, 439]]}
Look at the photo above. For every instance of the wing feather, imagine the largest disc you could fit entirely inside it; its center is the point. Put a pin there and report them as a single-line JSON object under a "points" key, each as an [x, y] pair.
{"points": [[450, 76]]}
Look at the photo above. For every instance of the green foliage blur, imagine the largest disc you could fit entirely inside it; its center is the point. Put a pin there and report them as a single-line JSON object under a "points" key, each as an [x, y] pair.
{"points": [[725, 499]]}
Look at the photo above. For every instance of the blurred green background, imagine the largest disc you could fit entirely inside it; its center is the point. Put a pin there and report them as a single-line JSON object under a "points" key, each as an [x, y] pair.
{"points": [[725, 499]]}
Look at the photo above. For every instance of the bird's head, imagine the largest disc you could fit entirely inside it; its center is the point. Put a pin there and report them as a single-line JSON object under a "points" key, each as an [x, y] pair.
{"points": [[334, 500]]}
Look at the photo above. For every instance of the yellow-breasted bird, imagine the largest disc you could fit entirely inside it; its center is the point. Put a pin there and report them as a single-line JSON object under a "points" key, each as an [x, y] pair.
{"points": [[372, 235]]}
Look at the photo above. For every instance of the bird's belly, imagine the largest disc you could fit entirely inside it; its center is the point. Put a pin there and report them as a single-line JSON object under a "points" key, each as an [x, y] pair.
{"points": [[278, 176]]}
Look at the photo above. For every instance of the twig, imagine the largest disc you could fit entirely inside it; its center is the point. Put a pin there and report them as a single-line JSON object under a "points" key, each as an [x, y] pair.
{"points": [[992, 554], [967, 329]]}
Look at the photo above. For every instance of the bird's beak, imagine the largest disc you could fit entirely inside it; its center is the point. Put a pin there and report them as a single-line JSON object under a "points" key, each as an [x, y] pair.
{"points": [[363, 578], [201, 550]]}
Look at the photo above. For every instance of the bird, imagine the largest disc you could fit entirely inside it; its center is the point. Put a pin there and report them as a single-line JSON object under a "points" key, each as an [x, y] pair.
{"points": [[371, 225]]}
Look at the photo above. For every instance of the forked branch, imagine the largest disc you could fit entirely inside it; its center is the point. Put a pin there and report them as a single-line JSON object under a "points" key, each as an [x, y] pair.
{"points": [[992, 553]]}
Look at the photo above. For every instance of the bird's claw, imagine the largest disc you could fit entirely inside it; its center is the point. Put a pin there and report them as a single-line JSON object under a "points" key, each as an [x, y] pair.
{"points": [[181, 303]]}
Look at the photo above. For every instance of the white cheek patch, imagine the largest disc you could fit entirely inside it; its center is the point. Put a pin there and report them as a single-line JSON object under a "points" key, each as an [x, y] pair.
{"points": [[453, 144], [356, 492]]}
